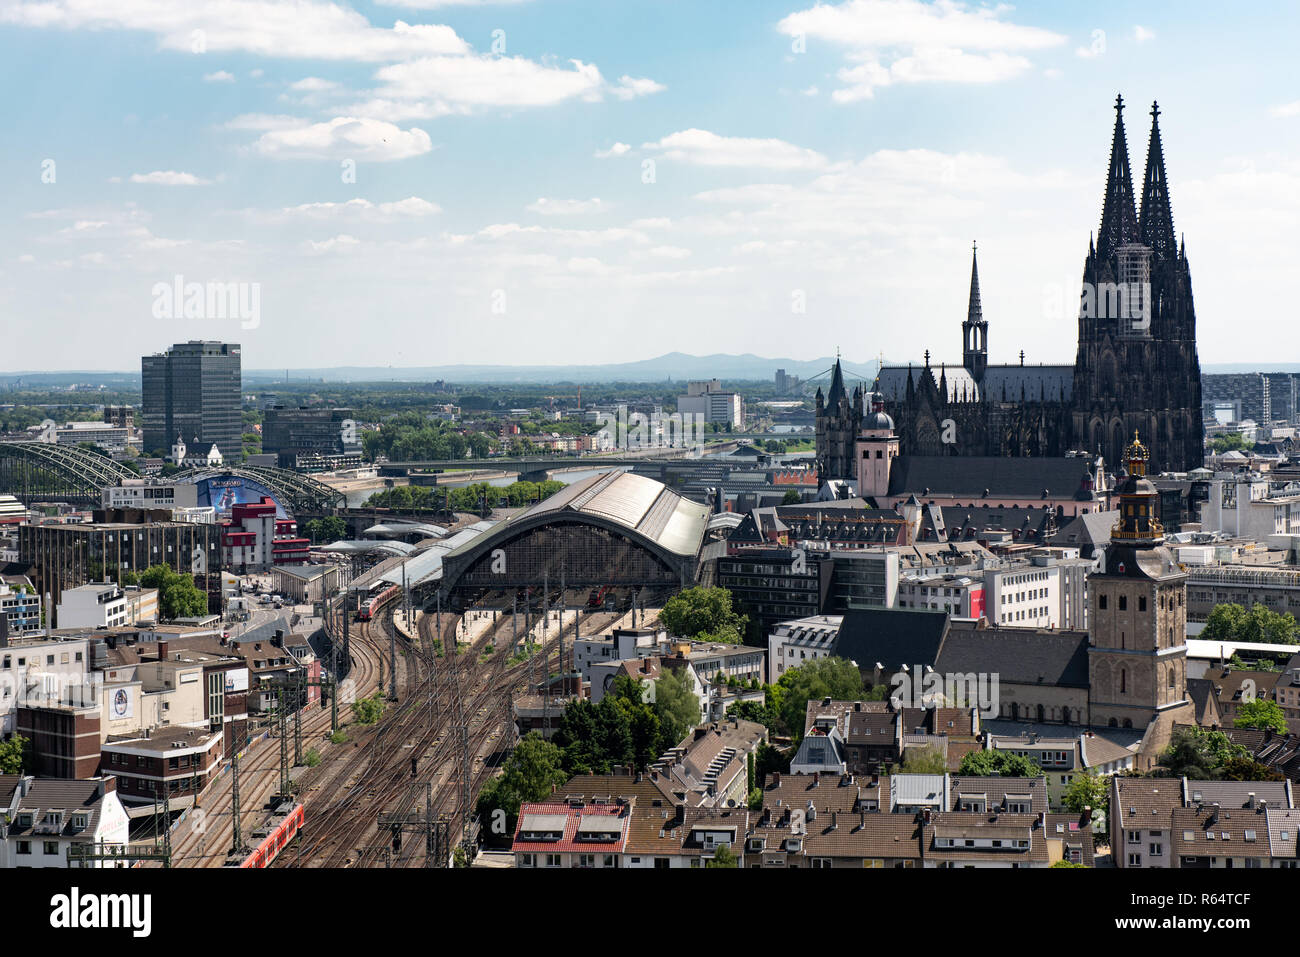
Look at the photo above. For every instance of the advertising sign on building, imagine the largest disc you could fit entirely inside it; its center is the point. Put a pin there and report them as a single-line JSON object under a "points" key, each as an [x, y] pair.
{"points": [[122, 706], [236, 680]]}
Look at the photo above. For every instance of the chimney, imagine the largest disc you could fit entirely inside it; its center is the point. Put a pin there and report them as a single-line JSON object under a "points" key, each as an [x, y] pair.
{"points": [[776, 779], [162, 650], [811, 814], [925, 815], [835, 820], [1214, 813], [1250, 799]]}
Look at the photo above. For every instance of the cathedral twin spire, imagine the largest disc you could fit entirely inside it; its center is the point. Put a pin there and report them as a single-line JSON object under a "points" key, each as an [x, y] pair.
{"points": [[1119, 220]]}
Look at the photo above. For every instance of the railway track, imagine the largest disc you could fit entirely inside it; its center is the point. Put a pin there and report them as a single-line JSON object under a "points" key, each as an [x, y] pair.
{"points": [[207, 838], [474, 689]]}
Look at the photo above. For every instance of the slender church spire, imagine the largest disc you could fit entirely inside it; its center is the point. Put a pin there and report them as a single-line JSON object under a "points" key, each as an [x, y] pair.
{"points": [[837, 386], [1157, 221], [975, 331], [1118, 219]]}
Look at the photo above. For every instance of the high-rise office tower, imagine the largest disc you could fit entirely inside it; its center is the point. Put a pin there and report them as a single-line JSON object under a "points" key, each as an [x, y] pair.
{"points": [[193, 391]]}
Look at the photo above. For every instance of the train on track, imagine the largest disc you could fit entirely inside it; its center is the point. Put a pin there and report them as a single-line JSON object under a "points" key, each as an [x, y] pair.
{"points": [[283, 823], [377, 595]]}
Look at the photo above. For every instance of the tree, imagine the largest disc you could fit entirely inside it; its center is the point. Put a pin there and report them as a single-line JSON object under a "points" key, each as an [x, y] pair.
{"points": [[791, 497], [368, 710], [1002, 763], [677, 706], [722, 857], [178, 596], [531, 773], [1229, 442], [1231, 622], [769, 760], [927, 760], [1088, 789], [703, 613], [831, 677], [1069, 864], [1261, 714], [1238, 768], [13, 754], [1197, 753]]}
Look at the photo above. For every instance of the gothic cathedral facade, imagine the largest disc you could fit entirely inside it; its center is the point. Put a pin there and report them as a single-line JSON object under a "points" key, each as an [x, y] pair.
{"points": [[1136, 368]]}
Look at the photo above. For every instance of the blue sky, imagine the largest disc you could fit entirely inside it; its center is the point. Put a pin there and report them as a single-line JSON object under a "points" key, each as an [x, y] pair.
{"points": [[819, 174]]}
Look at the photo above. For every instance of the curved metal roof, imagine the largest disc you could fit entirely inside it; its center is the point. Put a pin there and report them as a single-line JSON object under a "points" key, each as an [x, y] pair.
{"points": [[82, 466], [398, 529], [296, 491], [637, 503], [355, 547]]}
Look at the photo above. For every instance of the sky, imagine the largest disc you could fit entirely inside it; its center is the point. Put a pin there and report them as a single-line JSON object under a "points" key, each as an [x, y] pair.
{"points": [[426, 182]]}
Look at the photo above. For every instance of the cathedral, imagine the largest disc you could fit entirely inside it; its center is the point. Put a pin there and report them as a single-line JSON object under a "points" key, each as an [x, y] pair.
{"points": [[1136, 369]]}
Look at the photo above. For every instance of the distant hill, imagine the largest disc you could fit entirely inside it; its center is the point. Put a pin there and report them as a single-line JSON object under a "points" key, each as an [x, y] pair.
{"points": [[672, 367]]}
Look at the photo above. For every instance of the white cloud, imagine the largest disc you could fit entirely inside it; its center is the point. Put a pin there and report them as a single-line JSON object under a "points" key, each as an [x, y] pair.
{"points": [[403, 210], [437, 86], [169, 178], [566, 207], [1141, 34], [1283, 110], [344, 137], [669, 252], [618, 149], [629, 87], [221, 76], [907, 41], [306, 29], [260, 122], [810, 91], [313, 84], [704, 148], [339, 243]]}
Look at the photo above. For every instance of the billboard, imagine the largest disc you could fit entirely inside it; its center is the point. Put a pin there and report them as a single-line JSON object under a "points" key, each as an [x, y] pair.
{"points": [[236, 680], [224, 492]]}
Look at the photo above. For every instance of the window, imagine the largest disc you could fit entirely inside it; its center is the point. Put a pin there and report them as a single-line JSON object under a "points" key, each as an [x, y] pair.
{"points": [[1123, 602], [24, 847], [552, 860], [1101, 601], [1135, 860], [1142, 602], [51, 848]]}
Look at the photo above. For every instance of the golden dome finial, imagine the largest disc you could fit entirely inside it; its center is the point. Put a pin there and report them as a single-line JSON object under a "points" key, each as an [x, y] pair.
{"points": [[1138, 456]]}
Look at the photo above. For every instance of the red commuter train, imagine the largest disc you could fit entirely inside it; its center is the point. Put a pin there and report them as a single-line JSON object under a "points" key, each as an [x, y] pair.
{"points": [[280, 829], [377, 597]]}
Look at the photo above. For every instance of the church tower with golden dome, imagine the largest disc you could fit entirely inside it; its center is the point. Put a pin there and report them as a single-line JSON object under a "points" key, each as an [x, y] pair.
{"points": [[1137, 646]]}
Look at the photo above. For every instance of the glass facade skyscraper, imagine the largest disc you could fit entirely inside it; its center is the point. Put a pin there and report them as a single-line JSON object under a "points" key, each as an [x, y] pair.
{"points": [[193, 390]]}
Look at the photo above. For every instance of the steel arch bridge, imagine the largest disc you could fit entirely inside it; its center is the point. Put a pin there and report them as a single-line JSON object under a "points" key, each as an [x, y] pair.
{"points": [[295, 491], [39, 471]]}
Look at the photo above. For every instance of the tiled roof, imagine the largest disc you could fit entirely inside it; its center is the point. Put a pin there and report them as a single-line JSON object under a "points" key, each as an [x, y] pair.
{"points": [[1201, 832], [1017, 655], [1022, 478], [572, 822]]}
